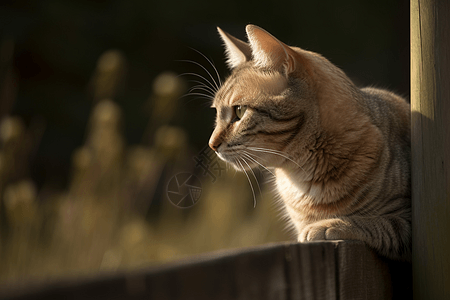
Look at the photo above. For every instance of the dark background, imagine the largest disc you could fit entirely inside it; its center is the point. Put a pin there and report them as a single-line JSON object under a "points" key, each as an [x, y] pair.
{"points": [[58, 42], [84, 181]]}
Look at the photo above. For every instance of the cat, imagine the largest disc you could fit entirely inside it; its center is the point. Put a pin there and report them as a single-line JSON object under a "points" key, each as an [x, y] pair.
{"points": [[340, 155]]}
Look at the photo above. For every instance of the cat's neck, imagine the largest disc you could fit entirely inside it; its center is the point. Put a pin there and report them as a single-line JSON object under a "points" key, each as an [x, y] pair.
{"points": [[328, 171]]}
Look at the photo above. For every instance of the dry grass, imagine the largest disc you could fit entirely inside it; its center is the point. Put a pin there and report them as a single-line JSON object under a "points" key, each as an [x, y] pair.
{"points": [[100, 222]]}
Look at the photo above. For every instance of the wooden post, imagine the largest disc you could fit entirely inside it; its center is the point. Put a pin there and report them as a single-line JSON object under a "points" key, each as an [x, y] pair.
{"points": [[430, 105]]}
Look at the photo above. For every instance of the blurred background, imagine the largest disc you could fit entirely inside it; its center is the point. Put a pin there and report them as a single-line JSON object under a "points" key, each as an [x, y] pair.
{"points": [[94, 124]]}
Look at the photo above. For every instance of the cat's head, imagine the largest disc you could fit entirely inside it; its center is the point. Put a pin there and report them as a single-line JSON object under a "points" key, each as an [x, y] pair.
{"points": [[270, 102]]}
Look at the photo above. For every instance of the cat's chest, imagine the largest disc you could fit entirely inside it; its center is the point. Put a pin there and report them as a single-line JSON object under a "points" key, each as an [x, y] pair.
{"points": [[292, 190]]}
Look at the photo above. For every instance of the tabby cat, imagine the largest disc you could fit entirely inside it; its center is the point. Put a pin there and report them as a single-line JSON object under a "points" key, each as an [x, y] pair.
{"points": [[340, 154]]}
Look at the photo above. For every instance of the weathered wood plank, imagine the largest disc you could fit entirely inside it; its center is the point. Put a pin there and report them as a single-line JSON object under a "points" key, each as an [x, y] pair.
{"points": [[321, 270], [364, 275], [358, 280], [430, 104], [315, 266]]}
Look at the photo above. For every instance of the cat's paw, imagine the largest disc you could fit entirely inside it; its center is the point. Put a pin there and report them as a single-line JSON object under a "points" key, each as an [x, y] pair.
{"points": [[326, 230]]}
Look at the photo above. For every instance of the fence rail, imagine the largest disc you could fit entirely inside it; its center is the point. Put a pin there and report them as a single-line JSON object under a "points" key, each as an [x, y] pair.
{"points": [[319, 270]]}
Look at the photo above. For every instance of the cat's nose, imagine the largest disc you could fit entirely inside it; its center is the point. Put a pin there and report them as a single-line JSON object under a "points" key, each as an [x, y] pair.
{"points": [[214, 144], [216, 139]]}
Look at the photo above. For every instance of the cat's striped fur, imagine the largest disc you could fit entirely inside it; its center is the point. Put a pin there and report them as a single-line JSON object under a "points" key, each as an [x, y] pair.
{"points": [[341, 154]]}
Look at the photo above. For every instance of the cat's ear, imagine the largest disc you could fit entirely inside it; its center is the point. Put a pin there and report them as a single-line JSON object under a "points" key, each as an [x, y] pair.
{"points": [[237, 51], [269, 52]]}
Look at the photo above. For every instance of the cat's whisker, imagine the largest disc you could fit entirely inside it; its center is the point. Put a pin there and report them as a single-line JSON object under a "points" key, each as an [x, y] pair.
{"points": [[235, 171], [249, 181], [200, 88], [276, 152], [202, 77], [211, 63], [205, 69], [254, 176], [202, 84], [248, 155], [259, 157], [273, 150], [198, 94]]}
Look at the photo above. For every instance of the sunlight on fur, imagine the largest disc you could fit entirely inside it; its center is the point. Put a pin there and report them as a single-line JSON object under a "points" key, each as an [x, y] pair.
{"points": [[340, 154]]}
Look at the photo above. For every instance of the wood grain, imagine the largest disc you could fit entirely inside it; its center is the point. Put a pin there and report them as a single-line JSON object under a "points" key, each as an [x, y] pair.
{"points": [[320, 270], [430, 104]]}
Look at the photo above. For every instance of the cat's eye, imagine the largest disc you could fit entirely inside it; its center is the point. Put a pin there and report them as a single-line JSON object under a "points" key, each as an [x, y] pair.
{"points": [[240, 111]]}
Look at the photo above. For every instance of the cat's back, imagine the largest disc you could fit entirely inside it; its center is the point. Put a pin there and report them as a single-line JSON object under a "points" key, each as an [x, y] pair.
{"points": [[389, 112]]}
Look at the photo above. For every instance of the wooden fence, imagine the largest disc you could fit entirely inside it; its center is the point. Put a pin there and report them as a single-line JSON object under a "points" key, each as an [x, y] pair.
{"points": [[320, 270], [326, 270]]}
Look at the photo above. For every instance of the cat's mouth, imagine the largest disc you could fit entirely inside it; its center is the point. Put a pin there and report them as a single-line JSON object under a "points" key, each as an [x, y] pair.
{"points": [[227, 157], [221, 156], [239, 162]]}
